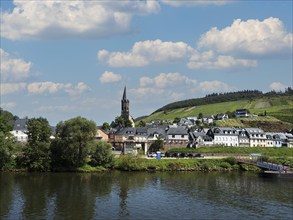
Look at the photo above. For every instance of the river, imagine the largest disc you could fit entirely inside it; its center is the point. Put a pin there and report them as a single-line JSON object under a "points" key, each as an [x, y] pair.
{"points": [[140, 195]]}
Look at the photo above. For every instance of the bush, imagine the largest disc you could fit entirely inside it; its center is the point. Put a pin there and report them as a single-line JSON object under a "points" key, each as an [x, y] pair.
{"points": [[231, 160], [225, 165], [103, 155]]}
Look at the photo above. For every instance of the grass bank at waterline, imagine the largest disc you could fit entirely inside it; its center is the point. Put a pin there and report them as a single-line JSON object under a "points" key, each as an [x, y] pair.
{"points": [[224, 150], [127, 163]]}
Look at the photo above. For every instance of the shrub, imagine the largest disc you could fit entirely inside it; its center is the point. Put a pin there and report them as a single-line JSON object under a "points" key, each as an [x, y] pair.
{"points": [[225, 165], [231, 160]]}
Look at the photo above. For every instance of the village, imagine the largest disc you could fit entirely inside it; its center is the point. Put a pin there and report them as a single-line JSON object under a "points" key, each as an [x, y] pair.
{"points": [[183, 134]]}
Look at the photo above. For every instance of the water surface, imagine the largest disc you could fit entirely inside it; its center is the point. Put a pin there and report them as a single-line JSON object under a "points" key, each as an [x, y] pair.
{"points": [[139, 195]]}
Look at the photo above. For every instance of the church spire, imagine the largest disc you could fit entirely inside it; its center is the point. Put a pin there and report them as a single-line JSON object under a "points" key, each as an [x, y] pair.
{"points": [[124, 94], [125, 106]]}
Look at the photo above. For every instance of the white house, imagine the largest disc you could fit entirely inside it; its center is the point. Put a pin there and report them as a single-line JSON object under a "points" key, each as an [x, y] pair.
{"points": [[224, 136], [20, 129], [257, 137]]}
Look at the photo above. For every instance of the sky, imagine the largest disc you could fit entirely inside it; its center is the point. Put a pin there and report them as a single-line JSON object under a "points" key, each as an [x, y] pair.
{"points": [[63, 59]]}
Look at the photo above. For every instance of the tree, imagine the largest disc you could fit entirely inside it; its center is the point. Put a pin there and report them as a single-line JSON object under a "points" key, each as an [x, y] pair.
{"points": [[71, 147], [5, 117], [36, 154], [106, 126], [6, 150], [39, 130], [120, 122], [176, 120], [6, 139], [141, 123], [157, 145], [103, 155], [200, 115]]}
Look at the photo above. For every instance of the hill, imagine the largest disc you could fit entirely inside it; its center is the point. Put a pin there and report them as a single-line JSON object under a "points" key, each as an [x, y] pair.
{"points": [[275, 110]]}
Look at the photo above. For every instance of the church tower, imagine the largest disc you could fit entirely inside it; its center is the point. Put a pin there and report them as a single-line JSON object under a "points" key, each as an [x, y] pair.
{"points": [[125, 106]]}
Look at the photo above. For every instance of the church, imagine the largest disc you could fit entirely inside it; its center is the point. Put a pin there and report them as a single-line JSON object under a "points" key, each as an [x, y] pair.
{"points": [[125, 108]]}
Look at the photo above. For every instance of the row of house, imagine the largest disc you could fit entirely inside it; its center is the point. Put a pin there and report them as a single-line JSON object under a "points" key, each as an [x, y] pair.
{"points": [[176, 136], [127, 139]]}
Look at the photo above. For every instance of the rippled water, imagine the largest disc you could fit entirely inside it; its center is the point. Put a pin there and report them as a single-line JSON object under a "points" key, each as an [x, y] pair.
{"points": [[123, 195]]}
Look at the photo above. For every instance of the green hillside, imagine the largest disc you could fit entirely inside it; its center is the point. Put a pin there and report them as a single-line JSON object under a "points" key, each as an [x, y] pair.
{"points": [[275, 110]]}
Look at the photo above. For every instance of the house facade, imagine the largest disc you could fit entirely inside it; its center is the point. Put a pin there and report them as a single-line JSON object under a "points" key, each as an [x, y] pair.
{"points": [[257, 137], [20, 130], [224, 136]]}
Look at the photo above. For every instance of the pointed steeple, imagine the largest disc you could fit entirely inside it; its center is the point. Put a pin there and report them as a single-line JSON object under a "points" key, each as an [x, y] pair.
{"points": [[125, 106], [124, 94]]}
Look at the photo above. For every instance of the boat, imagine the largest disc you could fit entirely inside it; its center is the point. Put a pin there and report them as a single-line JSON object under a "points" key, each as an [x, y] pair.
{"points": [[277, 174]]}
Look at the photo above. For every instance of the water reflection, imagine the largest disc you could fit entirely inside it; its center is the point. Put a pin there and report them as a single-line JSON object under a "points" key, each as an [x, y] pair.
{"points": [[141, 195]]}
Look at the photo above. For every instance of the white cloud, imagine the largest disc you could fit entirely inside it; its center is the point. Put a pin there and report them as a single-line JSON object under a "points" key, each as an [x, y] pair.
{"points": [[165, 86], [209, 60], [144, 53], [214, 86], [190, 3], [80, 88], [6, 105], [277, 86], [56, 18], [249, 37], [62, 108], [110, 77], [9, 88], [51, 87], [164, 80], [13, 69]]}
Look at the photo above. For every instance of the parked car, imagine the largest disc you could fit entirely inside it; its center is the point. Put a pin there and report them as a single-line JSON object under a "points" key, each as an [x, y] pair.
{"points": [[152, 154], [199, 155]]}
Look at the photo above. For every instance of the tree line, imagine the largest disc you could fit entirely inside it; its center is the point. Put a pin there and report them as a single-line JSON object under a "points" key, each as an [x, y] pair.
{"points": [[74, 145], [224, 97]]}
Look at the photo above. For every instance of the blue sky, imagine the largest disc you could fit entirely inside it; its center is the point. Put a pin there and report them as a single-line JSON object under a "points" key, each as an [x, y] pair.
{"points": [[62, 59]]}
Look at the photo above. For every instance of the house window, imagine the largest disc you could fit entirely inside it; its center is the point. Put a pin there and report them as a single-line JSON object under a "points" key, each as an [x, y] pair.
{"points": [[173, 135], [182, 135]]}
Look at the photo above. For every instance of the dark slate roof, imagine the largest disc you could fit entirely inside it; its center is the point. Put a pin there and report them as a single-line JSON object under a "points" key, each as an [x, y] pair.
{"points": [[126, 131], [177, 131], [19, 124], [225, 131], [142, 131], [161, 131], [254, 130]]}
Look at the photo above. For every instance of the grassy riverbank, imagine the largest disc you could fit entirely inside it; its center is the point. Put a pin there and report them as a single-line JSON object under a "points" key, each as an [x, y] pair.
{"points": [[127, 163], [265, 151]]}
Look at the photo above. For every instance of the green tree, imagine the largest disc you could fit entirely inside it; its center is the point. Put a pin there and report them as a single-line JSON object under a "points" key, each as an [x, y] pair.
{"points": [[39, 130], [120, 122], [36, 154], [6, 150], [73, 140], [157, 145], [7, 141], [103, 155], [5, 117], [141, 123], [106, 126], [200, 115], [176, 120]]}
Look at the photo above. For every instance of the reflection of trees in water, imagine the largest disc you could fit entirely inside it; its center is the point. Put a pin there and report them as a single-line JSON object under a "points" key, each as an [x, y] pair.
{"points": [[6, 193], [34, 189], [76, 194], [127, 181], [86, 196]]}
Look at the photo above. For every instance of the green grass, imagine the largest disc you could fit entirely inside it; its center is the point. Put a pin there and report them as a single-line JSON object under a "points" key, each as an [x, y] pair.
{"points": [[265, 151], [127, 163]]}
